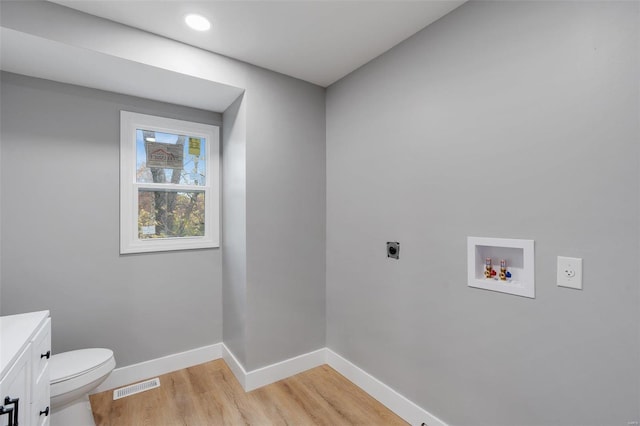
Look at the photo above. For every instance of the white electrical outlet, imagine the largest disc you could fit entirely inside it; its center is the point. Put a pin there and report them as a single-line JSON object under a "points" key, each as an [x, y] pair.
{"points": [[570, 272]]}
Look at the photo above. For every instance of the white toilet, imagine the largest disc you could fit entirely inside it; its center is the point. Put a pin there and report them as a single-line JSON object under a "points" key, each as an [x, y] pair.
{"points": [[76, 373]]}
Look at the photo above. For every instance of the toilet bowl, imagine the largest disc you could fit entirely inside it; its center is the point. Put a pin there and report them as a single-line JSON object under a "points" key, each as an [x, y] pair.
{"points": [[74, 374]]}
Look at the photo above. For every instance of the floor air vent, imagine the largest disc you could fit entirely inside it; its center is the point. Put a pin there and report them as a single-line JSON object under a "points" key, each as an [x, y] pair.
{"points": [[137, 388]]}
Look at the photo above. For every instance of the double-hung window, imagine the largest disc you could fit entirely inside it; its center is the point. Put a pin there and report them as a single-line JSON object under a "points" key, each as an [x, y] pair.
{"points": [[169, 184]]}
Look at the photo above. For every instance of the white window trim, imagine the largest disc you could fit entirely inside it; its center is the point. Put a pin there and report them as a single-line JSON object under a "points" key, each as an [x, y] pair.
{"points": [[129, 241]]}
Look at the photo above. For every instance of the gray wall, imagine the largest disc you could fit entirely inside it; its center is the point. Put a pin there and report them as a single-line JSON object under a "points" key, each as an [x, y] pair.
{"points": [[286, 218], [60, 216], [234, 228], [274, 220], [503, 119], [273, 210]]}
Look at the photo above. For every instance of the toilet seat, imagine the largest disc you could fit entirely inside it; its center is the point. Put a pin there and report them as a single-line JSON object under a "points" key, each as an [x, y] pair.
{"points": [[72, 370]]}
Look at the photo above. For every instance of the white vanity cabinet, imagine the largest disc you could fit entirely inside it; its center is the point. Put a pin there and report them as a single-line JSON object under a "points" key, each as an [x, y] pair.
{"points": [[15, 390], [25, 351]]}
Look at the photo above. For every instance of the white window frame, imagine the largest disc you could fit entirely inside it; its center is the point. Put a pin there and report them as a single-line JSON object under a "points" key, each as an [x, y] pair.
{"points": [[129, 241]]}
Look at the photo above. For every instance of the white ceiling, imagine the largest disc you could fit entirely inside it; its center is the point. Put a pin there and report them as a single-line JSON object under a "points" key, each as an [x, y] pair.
{"points": [[316, 41]]}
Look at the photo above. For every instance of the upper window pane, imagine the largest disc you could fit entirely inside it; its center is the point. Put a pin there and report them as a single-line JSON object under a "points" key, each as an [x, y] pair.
{"points": [[170, 158]]}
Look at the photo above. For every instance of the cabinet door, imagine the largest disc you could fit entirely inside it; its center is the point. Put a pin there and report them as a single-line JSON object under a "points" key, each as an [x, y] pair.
{"points": [[41, 354], [15, 385], [41, 409]]}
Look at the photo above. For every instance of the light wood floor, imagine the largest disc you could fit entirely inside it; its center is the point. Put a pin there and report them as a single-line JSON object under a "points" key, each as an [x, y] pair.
{"points": [[208, 394]]}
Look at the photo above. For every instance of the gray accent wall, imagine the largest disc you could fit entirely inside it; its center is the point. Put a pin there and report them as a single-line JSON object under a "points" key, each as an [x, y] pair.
{"points": [[234, 228], [502, 119], [286, 218], [274, 220], [60, 229]]}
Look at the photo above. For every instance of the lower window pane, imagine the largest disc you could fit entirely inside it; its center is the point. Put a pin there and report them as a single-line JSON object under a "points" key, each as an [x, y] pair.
{"points": [[169, 214]]}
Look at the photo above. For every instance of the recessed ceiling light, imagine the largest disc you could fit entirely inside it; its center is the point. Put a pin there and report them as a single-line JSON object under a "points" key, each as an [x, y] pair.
{"points": [[197, 22]]}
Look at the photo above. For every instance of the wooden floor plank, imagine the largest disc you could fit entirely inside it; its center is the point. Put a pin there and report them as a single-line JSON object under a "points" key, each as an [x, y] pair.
{"points": [[209, 394]]}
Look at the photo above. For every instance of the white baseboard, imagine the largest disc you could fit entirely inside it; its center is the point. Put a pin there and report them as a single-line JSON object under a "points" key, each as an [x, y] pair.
{"points": [[254, 379], [155, 367], [403, 407], [236, 368], [281, 370], [272, 373]]}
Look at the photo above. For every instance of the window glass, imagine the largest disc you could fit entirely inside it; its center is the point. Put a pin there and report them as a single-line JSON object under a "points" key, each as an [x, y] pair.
{"points": [[170, 158], [170, 214]]}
